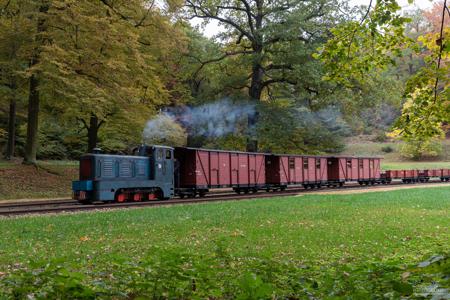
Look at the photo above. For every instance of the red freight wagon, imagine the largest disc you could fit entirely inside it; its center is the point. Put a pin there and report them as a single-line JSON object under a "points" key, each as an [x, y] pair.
{"points": [[445, 174], [410, 176], [284, 170], [198, 170], [315, 171], [369, 170], [434, 173], [342, 169]]}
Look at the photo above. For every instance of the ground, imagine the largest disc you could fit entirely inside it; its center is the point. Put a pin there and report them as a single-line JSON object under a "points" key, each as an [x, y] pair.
{"points": [[47, 180], [309, 246]]}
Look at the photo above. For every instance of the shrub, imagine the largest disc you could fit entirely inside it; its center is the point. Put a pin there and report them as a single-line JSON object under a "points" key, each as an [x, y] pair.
{"points": [[380, 137], [418, 149], [387, 149]]}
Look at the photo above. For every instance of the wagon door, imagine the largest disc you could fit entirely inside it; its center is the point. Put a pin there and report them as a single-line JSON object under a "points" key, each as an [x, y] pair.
{"points": [[251, 169], [214, 168], [354, 174], [243, 168], [234, 169], [377, 169], [307, 177], [298, 170], [224, 169], [261, 169], [371, 169], [202, 169], [291, 165], [323, 170], [284, 170]]}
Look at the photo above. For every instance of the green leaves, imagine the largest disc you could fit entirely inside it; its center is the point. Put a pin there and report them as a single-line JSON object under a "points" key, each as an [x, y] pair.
{"points": [[357, 49]]}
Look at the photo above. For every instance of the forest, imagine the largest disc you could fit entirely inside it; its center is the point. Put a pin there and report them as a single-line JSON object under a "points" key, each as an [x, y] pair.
{"points": [[292, 76]]}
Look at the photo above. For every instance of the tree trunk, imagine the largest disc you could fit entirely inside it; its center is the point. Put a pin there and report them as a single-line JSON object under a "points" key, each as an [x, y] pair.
{"points": [[92, 133], [12, 124], [33, 121], [256, 88], [33, 97]]}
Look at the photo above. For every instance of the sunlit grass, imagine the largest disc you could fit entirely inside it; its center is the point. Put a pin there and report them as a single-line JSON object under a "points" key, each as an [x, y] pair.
{"points": [[330, 231]]}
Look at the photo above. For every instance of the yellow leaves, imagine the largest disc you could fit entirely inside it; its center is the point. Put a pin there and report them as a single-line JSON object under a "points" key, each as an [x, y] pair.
{"points": [[394, 134], [84, 238]]}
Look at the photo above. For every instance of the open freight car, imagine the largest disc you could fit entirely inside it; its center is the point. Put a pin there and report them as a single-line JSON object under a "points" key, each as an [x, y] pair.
{"points": [[364, 170], [199, 170], [285, 170]]}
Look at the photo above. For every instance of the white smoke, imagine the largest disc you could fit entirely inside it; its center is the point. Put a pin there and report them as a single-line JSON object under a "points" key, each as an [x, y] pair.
{"points": [[163, 130], [208, 120]]}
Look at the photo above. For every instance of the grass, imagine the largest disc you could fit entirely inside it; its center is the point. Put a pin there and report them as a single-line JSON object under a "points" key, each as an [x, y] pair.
{"points": [[420, 165], [316, 245]]}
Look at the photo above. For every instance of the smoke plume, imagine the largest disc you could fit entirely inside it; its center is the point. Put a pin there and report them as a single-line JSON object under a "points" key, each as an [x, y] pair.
{"points": [[208, 120]]}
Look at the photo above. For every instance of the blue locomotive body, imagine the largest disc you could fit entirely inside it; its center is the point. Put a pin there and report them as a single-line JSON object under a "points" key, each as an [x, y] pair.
{"points": [[147, 175]]}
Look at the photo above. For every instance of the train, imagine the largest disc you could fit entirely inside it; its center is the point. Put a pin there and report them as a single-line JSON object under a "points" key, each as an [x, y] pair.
{"points": [[162, 173]]}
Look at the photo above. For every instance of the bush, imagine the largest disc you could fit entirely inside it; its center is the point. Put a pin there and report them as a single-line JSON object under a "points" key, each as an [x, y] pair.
{"points": [[418, 149], [380, 137], [387, 149]]}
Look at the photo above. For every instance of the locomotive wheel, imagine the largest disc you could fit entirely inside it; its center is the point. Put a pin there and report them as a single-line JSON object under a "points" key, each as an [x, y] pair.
{"points": [[181, 196]]}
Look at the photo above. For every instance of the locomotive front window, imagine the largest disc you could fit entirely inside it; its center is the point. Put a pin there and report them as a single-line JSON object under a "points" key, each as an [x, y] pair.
{"points": [[317, 163], [305, 164], [168, 154]]}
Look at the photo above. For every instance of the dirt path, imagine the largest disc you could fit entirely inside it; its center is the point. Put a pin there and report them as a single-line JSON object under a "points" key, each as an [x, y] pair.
{"points": [[379, 189]]}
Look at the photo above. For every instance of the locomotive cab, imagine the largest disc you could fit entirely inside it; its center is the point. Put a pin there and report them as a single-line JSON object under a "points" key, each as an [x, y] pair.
{"points": [[146, 175]]}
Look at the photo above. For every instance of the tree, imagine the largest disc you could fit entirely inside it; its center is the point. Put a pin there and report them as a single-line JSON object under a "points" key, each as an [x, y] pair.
{"points": [[40, 39], [272, 40], [370, 45], [14, 32]]}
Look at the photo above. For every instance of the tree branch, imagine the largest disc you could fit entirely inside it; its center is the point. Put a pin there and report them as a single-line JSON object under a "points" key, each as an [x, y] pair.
{"points": [[205, 14]]}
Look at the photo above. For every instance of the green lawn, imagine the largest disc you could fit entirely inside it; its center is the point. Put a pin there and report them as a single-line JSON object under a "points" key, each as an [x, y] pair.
{"points": [[387, 165], [313, 245]]}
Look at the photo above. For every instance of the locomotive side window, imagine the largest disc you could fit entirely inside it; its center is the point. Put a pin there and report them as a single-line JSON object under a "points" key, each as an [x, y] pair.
{"points": [[159, 154], [291, 163], [168, 154], [318, 163], [305, 164], [349, 163]]}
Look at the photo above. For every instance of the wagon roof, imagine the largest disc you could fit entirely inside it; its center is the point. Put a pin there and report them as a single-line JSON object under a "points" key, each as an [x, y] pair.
{"points": [[328, 156], [223, 151]]}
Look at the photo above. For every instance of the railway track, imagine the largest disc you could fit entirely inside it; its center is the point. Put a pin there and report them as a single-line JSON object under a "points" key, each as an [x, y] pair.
{"points": [[68, 205]]}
